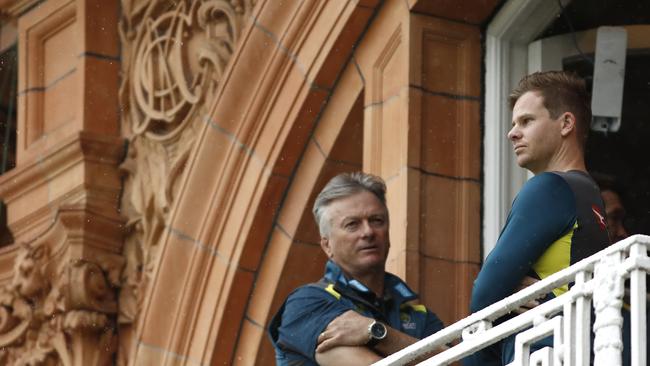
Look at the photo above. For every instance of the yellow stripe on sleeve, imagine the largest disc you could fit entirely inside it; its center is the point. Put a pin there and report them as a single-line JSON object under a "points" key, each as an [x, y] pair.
{"points": [[330, 289], [556, 258]]}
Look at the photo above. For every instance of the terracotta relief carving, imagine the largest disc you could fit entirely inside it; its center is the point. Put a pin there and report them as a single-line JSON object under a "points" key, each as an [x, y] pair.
{"points": [[174, 55], [59, 311]]}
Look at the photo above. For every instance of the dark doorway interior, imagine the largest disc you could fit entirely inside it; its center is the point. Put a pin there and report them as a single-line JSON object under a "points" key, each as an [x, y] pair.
{"points": [[8, 104], [623, 155], [8, 99], [582, 15]]}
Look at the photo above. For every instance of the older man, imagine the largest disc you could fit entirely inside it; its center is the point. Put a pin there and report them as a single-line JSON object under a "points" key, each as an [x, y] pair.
{"points": [[357, 313], [558, 217]]}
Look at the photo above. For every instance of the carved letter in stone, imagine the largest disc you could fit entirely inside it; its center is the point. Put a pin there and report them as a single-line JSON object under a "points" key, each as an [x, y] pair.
{"points": [[174, 56]]}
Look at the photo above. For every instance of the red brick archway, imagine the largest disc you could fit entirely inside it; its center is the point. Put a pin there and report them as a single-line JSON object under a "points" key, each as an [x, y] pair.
{"points": [[307, 78], [293, 255], [234, 219]]}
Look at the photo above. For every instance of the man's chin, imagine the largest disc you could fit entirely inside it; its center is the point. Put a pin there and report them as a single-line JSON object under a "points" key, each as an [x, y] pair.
{"points": [[522, 162], [374, 262]]}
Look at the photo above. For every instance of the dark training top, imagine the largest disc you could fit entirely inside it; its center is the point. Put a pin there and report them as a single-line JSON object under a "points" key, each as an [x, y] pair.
{"points": [[294, 330], [556, 220]]}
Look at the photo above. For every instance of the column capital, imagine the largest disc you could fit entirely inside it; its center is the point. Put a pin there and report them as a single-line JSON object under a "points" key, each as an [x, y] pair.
{"points": [[14, 8]]}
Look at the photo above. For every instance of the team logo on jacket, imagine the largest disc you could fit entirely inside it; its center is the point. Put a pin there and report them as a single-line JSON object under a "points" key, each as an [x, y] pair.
{"points": [[407, 323], [600, 218]]}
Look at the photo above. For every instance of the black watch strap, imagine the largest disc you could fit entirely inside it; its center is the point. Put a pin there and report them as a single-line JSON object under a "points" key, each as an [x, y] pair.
{"points": [[376, 332]]}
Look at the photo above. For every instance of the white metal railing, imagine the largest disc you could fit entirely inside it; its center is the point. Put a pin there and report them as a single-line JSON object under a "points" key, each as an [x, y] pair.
{"points": [[567, 317]]}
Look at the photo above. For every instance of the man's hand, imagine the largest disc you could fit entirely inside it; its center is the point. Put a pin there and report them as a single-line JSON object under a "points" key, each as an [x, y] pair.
{"points": [[348, 333], [348, 329], [528, 281]]}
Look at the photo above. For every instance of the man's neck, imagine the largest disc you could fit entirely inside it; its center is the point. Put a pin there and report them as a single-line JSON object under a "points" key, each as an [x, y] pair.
{"points": [[568, 158], [372, 280], [375, 285], [580, 166]]}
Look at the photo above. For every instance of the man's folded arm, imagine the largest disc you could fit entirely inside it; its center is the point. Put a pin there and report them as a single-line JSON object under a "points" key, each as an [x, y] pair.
{"points": [[347, 355], [362, 355], [349, 330], [396, 341]]}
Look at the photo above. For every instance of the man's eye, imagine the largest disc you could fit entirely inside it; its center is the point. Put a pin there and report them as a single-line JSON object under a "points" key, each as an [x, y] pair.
{"points": [[351, 225], [377, 221]]}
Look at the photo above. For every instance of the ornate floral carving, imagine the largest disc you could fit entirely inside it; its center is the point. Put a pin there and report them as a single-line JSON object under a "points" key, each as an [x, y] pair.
{"points": [[608, 300], [55, 311], [174, 56], [15, 316]]}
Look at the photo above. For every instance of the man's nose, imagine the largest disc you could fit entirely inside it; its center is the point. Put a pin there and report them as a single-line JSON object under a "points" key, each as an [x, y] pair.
{"points": [[366, 229], [513, 134]]}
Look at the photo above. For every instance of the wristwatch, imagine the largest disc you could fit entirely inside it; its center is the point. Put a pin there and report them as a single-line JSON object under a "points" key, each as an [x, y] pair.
{"points": [[376, 332]]}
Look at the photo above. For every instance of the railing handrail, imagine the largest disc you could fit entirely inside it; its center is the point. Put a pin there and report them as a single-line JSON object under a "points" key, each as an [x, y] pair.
{"points": [[508, 304]]}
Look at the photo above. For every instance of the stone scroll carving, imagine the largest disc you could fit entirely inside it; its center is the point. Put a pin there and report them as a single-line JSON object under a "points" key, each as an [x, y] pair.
{"points": [[57, 311], [174, 54]]}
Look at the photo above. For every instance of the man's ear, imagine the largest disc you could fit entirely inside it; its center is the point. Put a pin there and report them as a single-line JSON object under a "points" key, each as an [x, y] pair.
{"points": [[325, 244], [568, 123]]}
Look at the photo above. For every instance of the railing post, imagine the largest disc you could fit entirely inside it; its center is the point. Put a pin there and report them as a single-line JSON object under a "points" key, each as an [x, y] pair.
{"points": [[638, 253], [569, 327], [599, 279], [608, 300], [582, 351], [542, 328]]}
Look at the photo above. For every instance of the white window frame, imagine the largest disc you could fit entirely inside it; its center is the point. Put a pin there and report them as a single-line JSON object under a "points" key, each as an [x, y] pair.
{"points": [[506, 61]]}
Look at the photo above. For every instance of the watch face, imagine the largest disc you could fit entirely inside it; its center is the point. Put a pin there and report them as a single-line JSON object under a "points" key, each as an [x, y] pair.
{"points": [[378, 330]]}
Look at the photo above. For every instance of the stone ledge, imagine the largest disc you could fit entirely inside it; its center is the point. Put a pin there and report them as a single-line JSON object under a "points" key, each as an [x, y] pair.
{"points": [[15, 8], [33, 191]]}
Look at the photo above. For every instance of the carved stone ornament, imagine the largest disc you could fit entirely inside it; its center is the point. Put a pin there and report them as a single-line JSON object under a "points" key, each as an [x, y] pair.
{"points": [[58, 311], [174, 55], [608, 301], [177, 53]]}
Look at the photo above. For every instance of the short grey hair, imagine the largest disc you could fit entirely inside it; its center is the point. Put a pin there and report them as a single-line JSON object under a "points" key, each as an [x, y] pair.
{"points": [[342, 186]]}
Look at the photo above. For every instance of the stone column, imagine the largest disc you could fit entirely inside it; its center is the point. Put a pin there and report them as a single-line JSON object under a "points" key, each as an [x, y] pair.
{"points": [[422, 134], [58, 281]]}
